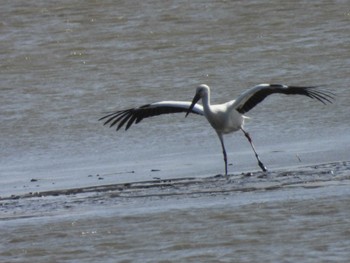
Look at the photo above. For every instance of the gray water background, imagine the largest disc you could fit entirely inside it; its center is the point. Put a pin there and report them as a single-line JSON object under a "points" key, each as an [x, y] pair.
{"points": [[64, 63]]}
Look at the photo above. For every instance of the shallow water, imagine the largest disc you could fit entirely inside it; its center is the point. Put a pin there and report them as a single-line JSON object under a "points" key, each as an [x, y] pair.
{"points": [[64, 63], [307, 230]]}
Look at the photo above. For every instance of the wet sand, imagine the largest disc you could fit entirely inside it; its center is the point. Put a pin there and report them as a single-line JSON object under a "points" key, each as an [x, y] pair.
{"points": [[312, 176]]}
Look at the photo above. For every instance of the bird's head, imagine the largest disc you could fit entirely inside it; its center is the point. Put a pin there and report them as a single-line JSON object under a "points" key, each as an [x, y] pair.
{"points": [[201, 91]]}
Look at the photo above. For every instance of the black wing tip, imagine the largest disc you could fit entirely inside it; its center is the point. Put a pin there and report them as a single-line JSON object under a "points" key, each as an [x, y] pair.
{"points": [[116, 117], [322, 95], [102, 118], [125, 118], [313, 92]]}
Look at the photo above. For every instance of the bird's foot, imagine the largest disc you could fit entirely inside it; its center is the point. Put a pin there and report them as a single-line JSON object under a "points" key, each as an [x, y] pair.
{"points": [[262, 166]]}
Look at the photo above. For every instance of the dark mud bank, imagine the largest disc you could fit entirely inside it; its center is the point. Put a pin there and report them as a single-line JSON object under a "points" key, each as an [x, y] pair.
{"points": [[306, 176]]}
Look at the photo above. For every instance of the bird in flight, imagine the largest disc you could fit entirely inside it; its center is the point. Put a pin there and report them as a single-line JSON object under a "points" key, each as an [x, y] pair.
{"points": [[224, 118]]}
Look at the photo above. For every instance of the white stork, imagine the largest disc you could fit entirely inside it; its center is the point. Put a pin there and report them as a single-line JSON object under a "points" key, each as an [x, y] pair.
{"points": [[224, 118]]}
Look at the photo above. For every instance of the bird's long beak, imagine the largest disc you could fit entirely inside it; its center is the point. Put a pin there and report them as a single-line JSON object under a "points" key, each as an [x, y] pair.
{"points": [[194, 101]]}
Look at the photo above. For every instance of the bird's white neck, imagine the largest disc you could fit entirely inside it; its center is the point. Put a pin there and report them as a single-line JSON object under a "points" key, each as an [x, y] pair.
{"points": [[206, 102]]}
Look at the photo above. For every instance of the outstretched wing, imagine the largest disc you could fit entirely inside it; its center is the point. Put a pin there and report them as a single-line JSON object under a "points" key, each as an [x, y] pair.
{"points": [[135, 115], [249, 99]]}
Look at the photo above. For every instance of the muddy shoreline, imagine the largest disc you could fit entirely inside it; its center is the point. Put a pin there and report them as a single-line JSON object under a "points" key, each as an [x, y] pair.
{"points": [[305, 176]]}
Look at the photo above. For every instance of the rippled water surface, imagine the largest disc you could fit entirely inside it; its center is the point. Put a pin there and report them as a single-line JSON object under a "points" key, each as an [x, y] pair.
{"points": [[64, 63]]}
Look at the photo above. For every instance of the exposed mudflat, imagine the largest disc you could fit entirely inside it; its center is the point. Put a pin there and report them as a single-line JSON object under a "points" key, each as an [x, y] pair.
{"points": [[51, 202]]}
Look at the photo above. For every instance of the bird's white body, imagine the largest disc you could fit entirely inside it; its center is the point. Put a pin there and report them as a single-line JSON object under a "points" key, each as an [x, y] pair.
{"points": [[224, 118], [225, 123]]}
